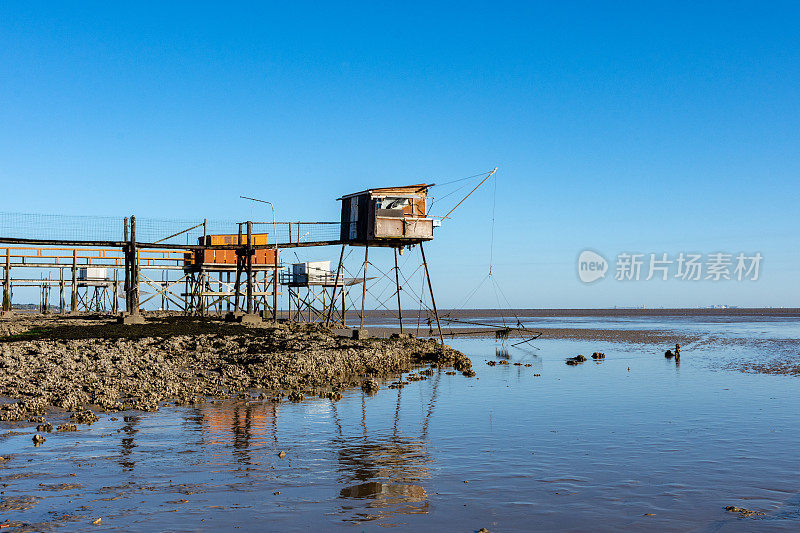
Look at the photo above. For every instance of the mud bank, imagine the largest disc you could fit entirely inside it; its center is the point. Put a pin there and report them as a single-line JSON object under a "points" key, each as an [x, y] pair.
{"points": [[75, 365]]}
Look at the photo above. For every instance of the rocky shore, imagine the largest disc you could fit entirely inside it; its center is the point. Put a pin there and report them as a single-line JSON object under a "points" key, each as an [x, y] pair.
{"points": [[82, 365]]}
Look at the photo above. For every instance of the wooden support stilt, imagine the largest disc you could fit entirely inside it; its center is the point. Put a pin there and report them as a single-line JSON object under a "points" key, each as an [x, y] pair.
{"points": [[228, 288], [7, 283], [335, 285], [239, 264], [164, 290], [275, 284], [134, 270], [397, 282], [249, 260], [73, 302], [114, 298], [364, 287], [430, 288], [61, 302], [344, 309], [127, 256]]}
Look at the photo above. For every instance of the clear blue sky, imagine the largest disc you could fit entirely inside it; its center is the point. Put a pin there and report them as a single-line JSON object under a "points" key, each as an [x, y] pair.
{"points": [[649, 127]]}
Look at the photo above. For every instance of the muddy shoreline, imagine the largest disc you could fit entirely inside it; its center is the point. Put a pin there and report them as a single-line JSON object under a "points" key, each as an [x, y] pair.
{"points": [[81, 364]]}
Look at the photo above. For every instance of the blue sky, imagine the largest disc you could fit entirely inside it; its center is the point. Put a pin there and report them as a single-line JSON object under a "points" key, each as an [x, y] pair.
{"points": [[638, 127]]}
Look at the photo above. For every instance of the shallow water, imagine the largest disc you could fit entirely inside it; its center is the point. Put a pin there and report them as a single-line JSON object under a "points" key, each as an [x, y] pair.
{"points": [[633, 442], [751, 327]]}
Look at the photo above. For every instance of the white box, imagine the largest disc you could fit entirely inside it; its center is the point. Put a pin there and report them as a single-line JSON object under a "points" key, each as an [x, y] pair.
{"points": [[92, 274]]}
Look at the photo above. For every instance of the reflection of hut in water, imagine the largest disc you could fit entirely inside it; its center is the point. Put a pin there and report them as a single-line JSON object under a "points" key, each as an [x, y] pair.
{"points": [[389, 471], [386, 472]]}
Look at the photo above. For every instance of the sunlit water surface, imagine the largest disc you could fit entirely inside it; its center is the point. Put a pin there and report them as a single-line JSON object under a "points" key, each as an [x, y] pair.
{"points": [[631, 443]]}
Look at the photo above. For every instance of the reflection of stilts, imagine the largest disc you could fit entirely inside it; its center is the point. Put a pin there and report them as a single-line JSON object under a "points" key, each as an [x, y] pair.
{"points": [[128, 443], [387, 471]]}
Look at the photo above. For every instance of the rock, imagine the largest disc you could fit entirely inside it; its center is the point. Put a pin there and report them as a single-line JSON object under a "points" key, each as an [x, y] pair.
{"points": [[491, 363], [598, 355], [469, 373], [668, 354], [85, 417], [575, 360], [370, 386], [295, 396], [181, 361], [47, 427], [67, 427], [38, 439], [742, 511], [282, 454]]}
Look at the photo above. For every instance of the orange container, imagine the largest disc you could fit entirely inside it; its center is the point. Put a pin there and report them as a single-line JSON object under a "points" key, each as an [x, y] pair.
{"points": [[228, 257]]}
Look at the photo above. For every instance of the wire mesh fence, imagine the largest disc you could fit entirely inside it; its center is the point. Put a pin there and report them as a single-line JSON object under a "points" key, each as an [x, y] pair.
{"points": [[298, 232], [76, 228]]}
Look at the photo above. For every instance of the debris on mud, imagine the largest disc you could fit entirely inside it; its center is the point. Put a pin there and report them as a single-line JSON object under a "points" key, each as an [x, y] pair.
{"points": [[18, 503]]}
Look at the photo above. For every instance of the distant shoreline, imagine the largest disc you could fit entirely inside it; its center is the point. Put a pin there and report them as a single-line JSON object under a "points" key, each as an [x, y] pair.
{"points": [[622, 312]]}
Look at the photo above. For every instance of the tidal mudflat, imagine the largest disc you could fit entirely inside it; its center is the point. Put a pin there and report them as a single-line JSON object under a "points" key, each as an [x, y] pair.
{"points": [[632, 441]]}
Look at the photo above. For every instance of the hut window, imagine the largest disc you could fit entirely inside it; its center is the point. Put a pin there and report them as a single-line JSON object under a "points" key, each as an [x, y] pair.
{"points": [[393, 203]]}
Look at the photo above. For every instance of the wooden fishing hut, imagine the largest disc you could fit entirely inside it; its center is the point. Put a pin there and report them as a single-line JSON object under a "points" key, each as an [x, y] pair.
{"points": [[387, 216], [394, 217]]}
